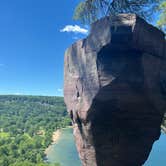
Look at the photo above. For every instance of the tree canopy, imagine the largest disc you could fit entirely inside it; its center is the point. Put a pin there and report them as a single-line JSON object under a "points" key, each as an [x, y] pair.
{"points": [[26, 127], [89, 11], [162, 19]]}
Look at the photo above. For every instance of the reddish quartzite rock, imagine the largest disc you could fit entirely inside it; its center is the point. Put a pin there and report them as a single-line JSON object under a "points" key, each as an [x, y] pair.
{"points": [[115, 89]]}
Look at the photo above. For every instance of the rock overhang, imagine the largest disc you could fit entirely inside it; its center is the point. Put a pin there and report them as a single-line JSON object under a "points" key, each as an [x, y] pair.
{"points": [[113, 83]]}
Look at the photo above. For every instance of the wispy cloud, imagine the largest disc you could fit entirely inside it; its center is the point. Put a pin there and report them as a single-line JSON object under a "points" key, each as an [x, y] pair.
{"points": [[75, 37], [74, 29], [60, 90], [17, 93]]}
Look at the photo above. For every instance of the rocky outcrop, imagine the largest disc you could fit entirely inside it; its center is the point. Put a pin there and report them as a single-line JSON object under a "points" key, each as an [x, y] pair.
{"points": [[115, 89]]}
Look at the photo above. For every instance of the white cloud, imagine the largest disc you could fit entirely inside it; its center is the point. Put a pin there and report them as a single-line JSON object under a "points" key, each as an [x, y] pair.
{"points": [[74, 29], [60, 90], [17, 93], [75, 37]]}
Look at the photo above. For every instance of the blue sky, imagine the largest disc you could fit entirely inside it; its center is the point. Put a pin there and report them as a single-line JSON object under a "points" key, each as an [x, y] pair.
{"points": [[33, 37]]}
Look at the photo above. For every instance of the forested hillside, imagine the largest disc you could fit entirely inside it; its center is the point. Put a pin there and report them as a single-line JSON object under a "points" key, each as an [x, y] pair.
{"points": [[26, 127]]}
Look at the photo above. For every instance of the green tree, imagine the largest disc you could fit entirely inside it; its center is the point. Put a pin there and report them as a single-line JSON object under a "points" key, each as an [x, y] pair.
{"points": [[26, 127], [162, 19], [89, 11]]}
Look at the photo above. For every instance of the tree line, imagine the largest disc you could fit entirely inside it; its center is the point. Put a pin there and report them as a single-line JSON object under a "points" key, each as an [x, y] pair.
{"points": [[26, 127]]}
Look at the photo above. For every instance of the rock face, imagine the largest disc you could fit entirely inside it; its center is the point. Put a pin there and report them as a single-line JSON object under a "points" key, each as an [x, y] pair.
{"points": [[115, 89]]}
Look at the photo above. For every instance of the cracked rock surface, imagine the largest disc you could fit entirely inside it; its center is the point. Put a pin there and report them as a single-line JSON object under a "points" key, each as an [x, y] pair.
{"points": [[115, 91]]}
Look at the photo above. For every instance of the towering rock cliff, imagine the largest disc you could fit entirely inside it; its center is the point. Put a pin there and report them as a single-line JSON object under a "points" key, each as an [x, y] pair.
{"points": [[115, 89]]}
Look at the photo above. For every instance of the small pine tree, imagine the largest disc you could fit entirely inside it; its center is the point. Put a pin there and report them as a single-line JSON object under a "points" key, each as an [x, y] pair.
{"points": [[89, 11]]}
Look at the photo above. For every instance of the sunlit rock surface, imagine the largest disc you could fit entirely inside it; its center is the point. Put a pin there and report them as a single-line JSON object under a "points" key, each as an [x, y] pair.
{"points": [[115, 89]]}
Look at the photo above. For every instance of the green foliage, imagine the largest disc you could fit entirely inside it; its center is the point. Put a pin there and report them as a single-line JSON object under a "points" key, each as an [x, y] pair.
{"points": [[89, 11], [26, 127], [85, 12], [164, 120], [162, 19]]}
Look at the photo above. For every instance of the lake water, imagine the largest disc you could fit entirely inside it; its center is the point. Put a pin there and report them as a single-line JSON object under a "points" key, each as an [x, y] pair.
{"points": [[65, 153]]}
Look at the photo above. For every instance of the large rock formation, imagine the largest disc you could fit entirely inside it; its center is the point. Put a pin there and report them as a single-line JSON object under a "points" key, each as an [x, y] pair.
{"points": [[115, 88]]}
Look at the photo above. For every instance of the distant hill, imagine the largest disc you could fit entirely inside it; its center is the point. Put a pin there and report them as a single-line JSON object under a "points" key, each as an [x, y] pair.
{"points": [[26, 127]]}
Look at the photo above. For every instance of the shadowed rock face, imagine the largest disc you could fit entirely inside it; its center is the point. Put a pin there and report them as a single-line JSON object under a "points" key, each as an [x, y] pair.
{"points": [[114, 89]]}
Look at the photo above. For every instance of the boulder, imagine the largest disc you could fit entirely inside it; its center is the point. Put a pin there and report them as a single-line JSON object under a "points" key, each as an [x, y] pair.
{"points": [[115, 89]]}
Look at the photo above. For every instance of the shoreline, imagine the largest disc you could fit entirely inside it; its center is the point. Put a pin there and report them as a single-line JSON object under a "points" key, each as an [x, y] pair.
{"points": [[55, 137]]}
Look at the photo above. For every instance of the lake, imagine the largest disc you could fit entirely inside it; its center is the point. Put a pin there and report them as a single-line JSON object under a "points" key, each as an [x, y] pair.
{"points": [[65, 153]]}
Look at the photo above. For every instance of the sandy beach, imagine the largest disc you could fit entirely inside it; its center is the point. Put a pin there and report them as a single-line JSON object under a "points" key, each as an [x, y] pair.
{"points": [[55, 138]]}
